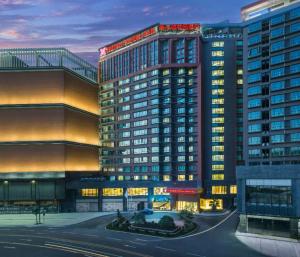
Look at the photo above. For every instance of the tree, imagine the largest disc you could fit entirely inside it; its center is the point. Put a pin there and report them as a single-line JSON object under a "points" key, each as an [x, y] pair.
{"points": [[167, 222]]}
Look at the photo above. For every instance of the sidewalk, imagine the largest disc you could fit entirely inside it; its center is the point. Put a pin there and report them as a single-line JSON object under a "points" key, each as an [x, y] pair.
{"points": [[271, 246], [51, 219]]}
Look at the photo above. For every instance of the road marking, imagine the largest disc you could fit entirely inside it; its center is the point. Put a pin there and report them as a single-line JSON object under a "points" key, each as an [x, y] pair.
{"points": [[112, 238], [89, 235], [99, 245], [167, 249], [82, 248], [26, 240], [9, 247], [131, 246], [137, 243], [195, 254], [77, 250], [138, 239]]}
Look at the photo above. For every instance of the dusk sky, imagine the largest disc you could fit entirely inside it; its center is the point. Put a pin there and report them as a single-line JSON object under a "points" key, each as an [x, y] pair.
{"points": [[86, 25]]}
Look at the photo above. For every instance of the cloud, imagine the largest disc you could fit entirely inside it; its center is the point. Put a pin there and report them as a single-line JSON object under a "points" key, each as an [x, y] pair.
{"points": [[86, 25]]}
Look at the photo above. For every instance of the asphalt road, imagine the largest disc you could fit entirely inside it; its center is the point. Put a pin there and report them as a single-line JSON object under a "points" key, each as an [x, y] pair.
{"points": [[91, 239]]}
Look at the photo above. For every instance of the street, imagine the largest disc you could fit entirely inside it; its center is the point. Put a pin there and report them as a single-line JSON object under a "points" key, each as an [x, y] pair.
{"points": [[214, 238]]}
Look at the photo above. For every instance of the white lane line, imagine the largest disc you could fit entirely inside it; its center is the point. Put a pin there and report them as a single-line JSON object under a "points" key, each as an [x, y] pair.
{"points": [[9, 247], [26, 240], [89, 235], [91, 251], [207, 230], [195, 254], [137, 243], [112, 238], [166, 249], [87, 251], [131, 246], [143, 240]]}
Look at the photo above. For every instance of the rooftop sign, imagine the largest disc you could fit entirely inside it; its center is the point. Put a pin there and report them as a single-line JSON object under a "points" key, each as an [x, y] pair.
{"points": [[161, 28]]}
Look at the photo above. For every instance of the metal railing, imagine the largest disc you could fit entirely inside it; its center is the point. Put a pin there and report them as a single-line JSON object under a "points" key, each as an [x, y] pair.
{"points": [[33, 58]]}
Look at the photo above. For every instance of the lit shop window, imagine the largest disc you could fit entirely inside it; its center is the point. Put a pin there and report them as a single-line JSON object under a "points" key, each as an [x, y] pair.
{"points": [[218, 120], [135, 191], [217, 82], [217, 92], [218, 110], [217, 167], [218, 129], [207, 204], [217, 101], [89, 192], [218, 190], [217, 53], [166, 178], [181, 177], [112, 191], [218, 157], [217, 73], [218, 44], [217, 63], [217, 177], [184, 205], [218, 148], [233, 189], [160, 191], [217, 139]]}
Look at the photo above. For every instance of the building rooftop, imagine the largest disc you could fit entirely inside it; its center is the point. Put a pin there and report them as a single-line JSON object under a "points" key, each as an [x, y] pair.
{"points": [[261, 7], [45, 58]]}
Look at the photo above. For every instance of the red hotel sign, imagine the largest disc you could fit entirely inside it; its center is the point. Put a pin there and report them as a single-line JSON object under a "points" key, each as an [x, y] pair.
{"points": [[147, 33], [184, 191]]}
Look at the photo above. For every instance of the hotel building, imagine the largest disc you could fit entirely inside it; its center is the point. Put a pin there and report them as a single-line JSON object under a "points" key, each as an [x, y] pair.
{"points": [[269, 183], [49, 128], [166, 98]]}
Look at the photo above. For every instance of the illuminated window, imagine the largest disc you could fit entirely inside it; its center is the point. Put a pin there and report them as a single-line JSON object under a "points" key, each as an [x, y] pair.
{"points": [[218, 148], [233, 189], [217, 63], [89, 192], [240, 72], [218, 167], [184, 205], [181, 177], [240, 82], [207, 204], [218, 190], [217, 92], [217, 53], [218, 120], [166, 178], [218, 139], [218, 44], [217, 82], [218, 110], [160, 191], [218, 129], [112, 191], [134, 191], [217, 177], [217, 73], [166, 72], [218, 157], [217, 101], [191, 177], [120, 178]]}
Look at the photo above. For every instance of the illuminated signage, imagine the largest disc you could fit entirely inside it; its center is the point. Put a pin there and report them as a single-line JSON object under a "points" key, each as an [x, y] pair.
{"points": [[178, 27], [184, 191], [147, 33]]}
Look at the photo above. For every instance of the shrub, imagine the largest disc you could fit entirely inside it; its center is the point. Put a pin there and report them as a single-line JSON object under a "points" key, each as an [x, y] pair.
{"points": [[139, 218], [167, 222], [185, 214]]}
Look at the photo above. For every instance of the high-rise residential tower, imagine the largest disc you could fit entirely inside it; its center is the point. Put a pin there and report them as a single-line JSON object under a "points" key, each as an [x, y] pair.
{"points": [[269, 183]]}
